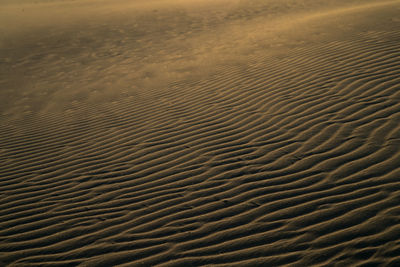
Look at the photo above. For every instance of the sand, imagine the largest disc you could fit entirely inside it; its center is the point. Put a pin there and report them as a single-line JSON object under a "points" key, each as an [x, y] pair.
{"points": [[199, 132]]}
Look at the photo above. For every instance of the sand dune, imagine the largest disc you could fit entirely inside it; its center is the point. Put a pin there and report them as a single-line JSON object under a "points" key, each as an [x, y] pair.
{"points": [[189, 133]]}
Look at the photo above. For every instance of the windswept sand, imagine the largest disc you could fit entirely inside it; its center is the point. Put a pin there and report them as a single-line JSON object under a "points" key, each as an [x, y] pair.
{"points": [[199, 132]]}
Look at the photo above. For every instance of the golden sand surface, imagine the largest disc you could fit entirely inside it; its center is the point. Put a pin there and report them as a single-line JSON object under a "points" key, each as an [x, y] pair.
{"points": [[199, 133]]}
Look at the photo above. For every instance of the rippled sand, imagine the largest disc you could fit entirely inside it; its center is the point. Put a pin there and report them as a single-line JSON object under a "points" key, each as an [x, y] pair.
{"points": [[199, 132]]}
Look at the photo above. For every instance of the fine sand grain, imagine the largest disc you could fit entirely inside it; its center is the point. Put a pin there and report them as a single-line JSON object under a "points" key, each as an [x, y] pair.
{"points": [[199, 132]]}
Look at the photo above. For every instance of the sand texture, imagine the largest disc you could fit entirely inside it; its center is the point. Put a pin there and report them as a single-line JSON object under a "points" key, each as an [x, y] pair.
{"points": [[199, 132]]}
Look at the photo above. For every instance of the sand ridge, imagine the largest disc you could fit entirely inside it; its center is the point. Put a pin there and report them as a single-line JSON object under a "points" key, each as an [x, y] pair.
{"points": [[281, 148]]}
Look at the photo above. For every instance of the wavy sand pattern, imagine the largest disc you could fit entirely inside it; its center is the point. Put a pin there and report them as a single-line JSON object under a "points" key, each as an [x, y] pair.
{"points": [[173, 133]]}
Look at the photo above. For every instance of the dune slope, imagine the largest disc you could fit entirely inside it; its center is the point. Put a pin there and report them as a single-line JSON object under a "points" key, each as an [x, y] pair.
{"points": [[242, 133]]}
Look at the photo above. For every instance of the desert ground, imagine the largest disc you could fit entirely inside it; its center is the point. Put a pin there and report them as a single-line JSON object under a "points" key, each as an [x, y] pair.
{"points": [[199, 133]]}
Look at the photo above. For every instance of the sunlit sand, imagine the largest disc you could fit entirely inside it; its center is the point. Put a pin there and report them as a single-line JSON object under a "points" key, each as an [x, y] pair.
{"points": [[199, 132]]}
